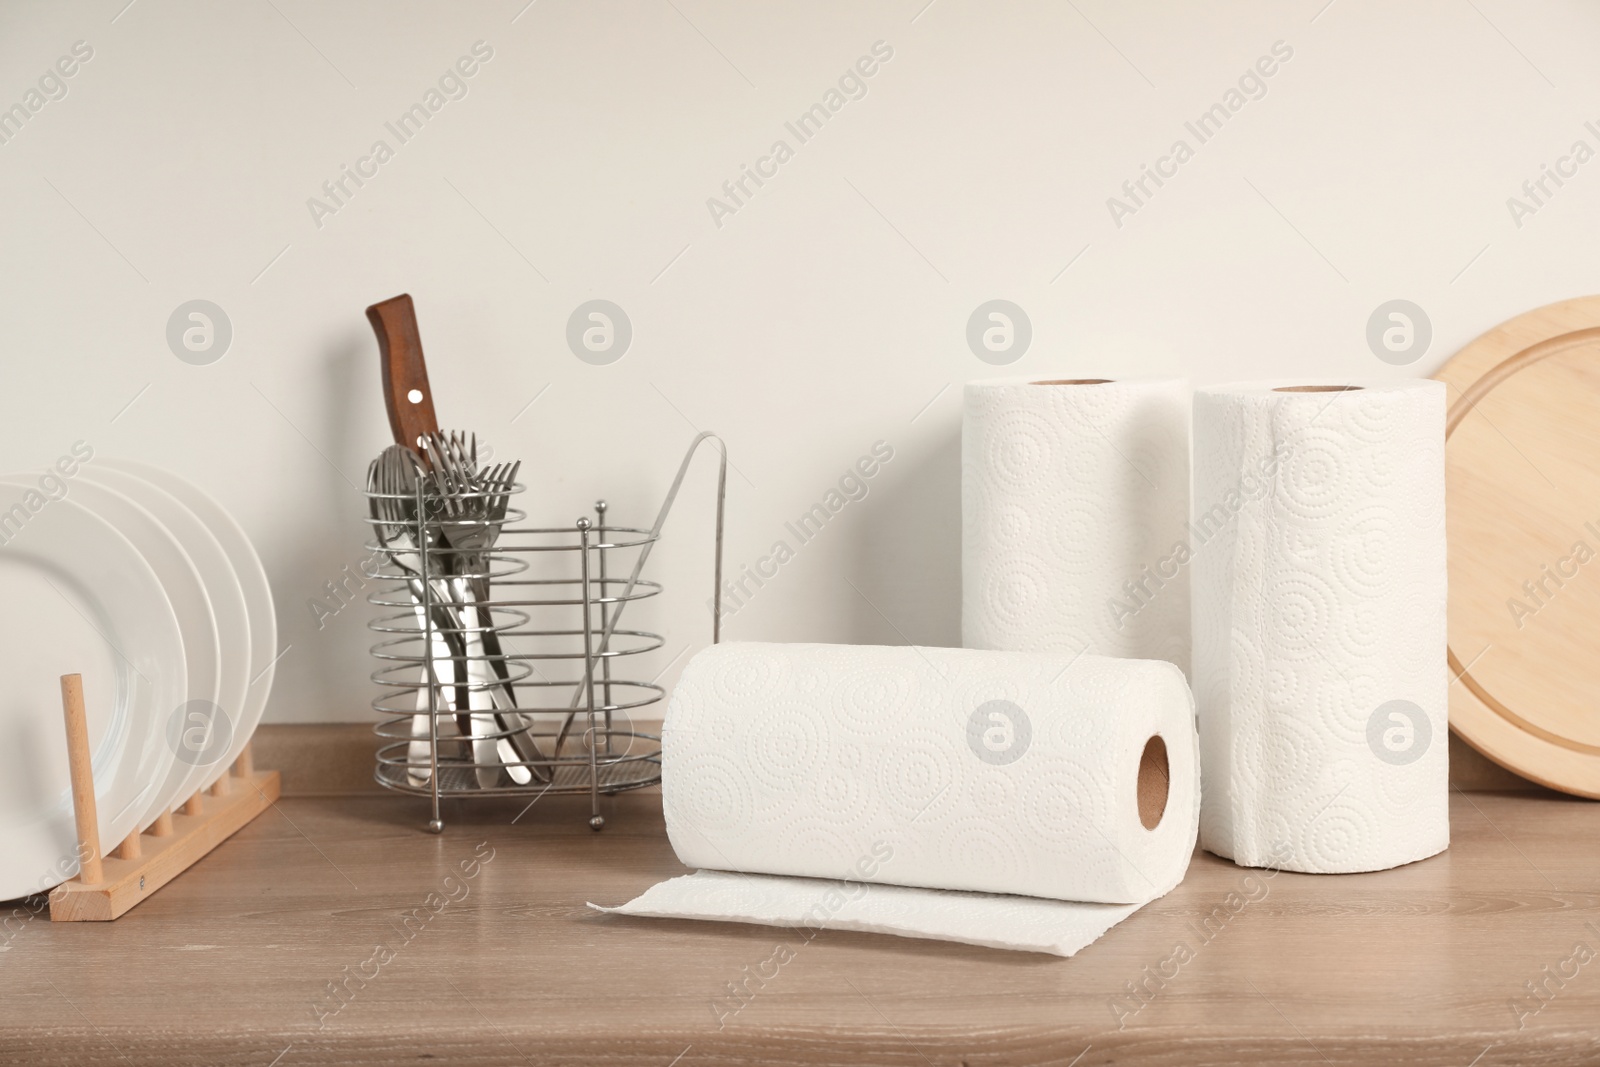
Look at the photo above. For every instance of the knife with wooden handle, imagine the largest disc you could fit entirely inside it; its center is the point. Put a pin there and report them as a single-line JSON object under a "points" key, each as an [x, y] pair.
{"points": [[405, 375], [409, 401]]}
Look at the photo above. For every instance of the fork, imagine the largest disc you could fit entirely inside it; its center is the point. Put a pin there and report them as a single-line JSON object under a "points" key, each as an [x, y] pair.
{"points": [[393, 476], [475, 503], [391, 483]]}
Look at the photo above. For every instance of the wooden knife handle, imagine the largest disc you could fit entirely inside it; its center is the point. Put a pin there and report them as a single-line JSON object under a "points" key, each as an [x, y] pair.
{"points": [[405, 375]]}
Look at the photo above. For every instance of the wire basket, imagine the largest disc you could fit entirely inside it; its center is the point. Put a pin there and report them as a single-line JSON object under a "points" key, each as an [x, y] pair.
{"points": [[502, 668]]}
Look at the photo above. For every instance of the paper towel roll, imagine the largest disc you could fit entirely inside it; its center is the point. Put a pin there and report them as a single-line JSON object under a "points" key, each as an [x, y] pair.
{"points": [[1319, 621], [1074, 500], [945, 769]]}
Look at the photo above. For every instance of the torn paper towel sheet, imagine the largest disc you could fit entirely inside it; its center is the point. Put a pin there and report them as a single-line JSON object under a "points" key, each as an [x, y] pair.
{"points": [[1045, 780], [993, 920], [1319, 618], [1074, 513]]}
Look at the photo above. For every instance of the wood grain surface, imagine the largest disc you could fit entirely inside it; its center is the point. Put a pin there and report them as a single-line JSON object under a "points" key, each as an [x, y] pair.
{"points": [[407, 396], [1523, 470], [231, 963]]}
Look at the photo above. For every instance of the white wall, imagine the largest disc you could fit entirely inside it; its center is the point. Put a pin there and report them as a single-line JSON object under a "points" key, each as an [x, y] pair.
{"points": [[824, 315]]}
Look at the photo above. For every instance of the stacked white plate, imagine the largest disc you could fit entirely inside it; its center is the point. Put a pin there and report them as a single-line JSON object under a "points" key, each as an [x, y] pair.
{"points": [[132, 577]]}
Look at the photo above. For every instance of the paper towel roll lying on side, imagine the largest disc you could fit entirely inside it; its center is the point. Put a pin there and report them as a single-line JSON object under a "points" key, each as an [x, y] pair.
{"points": [[1074, 505], [1319, 618], [1019, 800]]}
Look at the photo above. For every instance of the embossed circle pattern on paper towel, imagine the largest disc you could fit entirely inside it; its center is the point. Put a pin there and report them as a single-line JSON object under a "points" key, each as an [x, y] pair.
{"points": [[1302, 606], [1362, 630], [1085, 460], [1283, 688], [981, 847], [1312, 478], [1098, 722], [1399, 788], [1089, 411], [916, 774], [710, 791], [1016, 588], [1074, 527], [994, 795], [1343, 702], [1280, 750], [1377, 418], [872, 701], [1383, 466], [1337, 836], [839, 791], [1011, 525], [983, 402], [1065, 801], [966, 693], [1364, 550], [809, 682], [744, 675], [784, 752], [1019, 450]]}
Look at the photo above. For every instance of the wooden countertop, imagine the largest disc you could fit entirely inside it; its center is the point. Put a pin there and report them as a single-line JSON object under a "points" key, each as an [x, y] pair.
{"points": [[232, 962]]}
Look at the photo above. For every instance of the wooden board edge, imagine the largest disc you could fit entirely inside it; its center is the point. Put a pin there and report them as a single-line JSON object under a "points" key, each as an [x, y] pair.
{"points": [[1504, 340], [1498, 741]]}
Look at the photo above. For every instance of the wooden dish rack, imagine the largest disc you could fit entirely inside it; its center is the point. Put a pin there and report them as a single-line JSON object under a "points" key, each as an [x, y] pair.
{"points": [[108, 886]]}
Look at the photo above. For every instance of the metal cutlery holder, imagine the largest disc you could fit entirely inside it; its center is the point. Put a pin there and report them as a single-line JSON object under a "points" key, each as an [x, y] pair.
{"points": [[544, 644]]}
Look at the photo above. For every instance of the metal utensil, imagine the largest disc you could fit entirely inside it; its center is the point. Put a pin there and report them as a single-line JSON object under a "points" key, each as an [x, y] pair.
{"points": [[467, 661], [473, 506], [391, 480], [471, 642]]}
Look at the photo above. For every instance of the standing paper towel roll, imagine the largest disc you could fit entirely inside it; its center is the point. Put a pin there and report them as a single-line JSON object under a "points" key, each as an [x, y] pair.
{"points": [[1074, 504], [1319, 622], [1071, 780]]}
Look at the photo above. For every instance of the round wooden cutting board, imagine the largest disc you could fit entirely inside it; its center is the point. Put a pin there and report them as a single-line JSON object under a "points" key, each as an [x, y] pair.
{"points": [[1522, 468]]}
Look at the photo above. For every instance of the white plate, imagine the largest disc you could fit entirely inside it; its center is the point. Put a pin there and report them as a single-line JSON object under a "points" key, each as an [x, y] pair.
{"points": [[263, 623], [204, 723], [78, 598]]}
